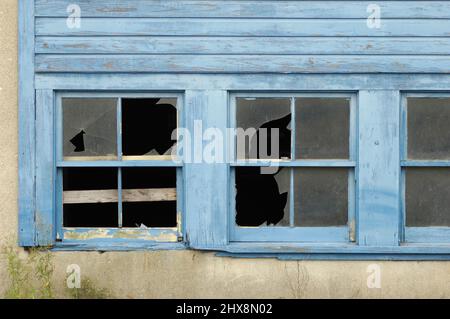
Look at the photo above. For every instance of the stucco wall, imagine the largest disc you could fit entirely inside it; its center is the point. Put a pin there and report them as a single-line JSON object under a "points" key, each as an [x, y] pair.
{"points": [[186, 273]]}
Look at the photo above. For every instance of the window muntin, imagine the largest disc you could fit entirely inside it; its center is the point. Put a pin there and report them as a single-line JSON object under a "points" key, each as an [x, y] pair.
{"points": [[288, 221], [426, 167], [98, 193]]}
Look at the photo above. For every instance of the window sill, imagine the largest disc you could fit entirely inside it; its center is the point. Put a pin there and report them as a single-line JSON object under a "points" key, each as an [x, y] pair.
{"points": [[332, 251], [282, 251], [116, 245]]}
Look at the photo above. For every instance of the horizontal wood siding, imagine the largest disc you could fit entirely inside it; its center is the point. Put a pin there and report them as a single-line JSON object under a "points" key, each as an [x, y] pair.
{"points": [[243, 45], [244, 27], [243, 37], [244, 9], [242, 64]]}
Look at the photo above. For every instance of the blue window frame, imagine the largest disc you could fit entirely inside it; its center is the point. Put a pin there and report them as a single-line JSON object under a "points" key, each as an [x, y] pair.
{"points": [[425, 167], [125, 231], [308, 166]]}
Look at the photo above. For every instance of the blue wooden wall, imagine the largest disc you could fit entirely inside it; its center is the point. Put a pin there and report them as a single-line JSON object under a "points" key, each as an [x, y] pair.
{"points": [[177, 36], [205, 50]]}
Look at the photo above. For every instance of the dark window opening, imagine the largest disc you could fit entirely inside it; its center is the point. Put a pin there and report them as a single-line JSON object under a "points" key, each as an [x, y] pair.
{"points": [[258, 197], [90, 215], [150, 214], [149, 197], [90, 197], [147, 126]]}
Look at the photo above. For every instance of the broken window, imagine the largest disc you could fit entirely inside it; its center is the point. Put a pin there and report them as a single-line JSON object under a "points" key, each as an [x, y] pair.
{"points": [[426, 161], [149, 197], [147, 126], [90, 197], [89, 128], [262, 199], [264, 122], [312, 185], [108, 174]]}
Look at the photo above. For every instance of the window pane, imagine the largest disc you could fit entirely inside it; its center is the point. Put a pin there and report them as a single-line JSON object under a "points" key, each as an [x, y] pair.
{"points": [[427, 197], [149, 197], [262, 199], [89, 128], [90, 197], [322, 128], [321, 196], [147, 126], [428, 128], [263, 113]]}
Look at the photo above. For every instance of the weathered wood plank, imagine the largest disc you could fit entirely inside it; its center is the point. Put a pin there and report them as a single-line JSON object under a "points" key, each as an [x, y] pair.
{"points": [[242, 45], [206, 185], [242, 64], [244, 27], [291, 234], [250, 9], [149, 195], [45, 180], [427, 235], [114, 234], [227, 82], [379, 168], [128, 195], [27, 146]]}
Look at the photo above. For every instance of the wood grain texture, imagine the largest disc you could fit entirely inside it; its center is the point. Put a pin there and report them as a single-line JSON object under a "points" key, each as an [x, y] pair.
{"points": [[250, 9], [128, 195], [206, 185], [244, 82], [241, 64], [27, 146], [244, 27], [45, 169], [379, 168], [428, 235], [242, 45], [205, 49]]}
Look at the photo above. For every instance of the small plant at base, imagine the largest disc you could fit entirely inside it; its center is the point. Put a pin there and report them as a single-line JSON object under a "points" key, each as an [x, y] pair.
{"points": [[23, 273], [19, 275], [43, 271], [88, 290]]}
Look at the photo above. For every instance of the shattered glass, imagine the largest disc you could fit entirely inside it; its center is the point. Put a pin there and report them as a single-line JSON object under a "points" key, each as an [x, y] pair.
{"points": [[89, 128]]}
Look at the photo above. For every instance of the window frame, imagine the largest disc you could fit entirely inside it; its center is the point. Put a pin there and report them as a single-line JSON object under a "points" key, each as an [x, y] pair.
{"points": [[334, 234], [124, 235], [418, 235]]}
